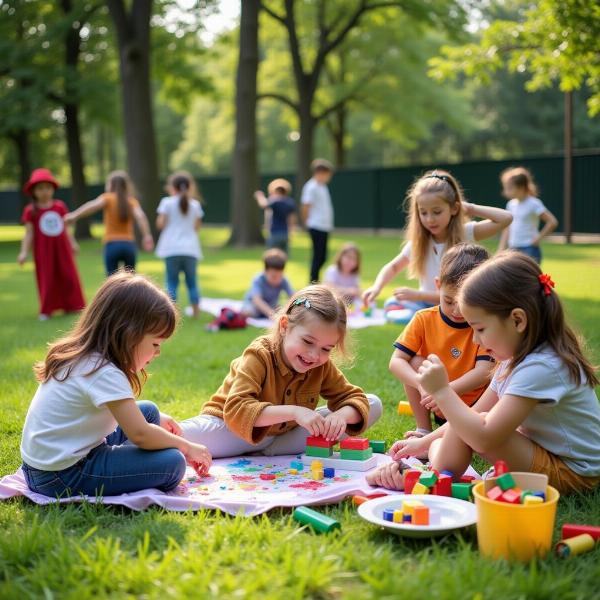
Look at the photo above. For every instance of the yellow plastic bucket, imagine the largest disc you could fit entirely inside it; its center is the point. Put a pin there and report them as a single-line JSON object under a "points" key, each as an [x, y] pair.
{"points": [[514, 531]]}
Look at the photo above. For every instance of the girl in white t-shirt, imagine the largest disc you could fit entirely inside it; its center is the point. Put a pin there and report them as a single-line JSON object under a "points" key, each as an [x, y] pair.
{"points": [[540, 413], [84, 433], [527, 210], [436, 221], [179, 218]]}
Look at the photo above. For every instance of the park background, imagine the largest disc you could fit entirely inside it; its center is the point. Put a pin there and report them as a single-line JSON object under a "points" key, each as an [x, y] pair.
{"points": [[216, 88]]}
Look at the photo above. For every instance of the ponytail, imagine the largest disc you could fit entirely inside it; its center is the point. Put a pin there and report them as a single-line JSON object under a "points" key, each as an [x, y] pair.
{"points": [[118, 183], [182, 183]]}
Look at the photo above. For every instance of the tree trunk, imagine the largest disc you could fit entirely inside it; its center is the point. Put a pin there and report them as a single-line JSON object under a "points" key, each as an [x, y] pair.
{"points": [[133, 34], [21, 140], [73, 132], [245, 217], [305, 144], [338, 133]]}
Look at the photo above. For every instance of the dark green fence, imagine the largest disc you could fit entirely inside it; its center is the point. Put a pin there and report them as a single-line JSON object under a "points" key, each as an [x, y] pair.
{"points": [[373, 198]]}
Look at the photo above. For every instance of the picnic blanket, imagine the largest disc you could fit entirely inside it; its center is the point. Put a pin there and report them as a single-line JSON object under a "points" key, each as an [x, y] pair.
{"points": [[356, 319]]}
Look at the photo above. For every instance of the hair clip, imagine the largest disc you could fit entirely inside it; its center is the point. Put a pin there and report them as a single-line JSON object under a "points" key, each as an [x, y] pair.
{"points": [[547, 283], [436, 176], [301, 301]]}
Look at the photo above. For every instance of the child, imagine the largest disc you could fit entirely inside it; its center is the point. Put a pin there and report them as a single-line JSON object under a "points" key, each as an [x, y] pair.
{"points": [[120, 210], [527, 210], [540, 413], [275, 386], [442, 330], [436, 222], [281, 209], [179, 218], [317, 213], [262, 299], [84, 432], [58, 282], [343, 275]]}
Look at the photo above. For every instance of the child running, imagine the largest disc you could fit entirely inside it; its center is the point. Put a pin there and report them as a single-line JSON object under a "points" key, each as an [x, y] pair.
{"points": [[58, 282], [267, 401], [84, 433], [120, 210], [527, 210], [442, 330], [540, 413], [280, 210], [179, 219], [344, 274], [436, 222]]}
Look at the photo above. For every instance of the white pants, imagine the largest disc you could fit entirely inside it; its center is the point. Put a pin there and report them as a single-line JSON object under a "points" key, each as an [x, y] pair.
{"points": [[221, 442]]}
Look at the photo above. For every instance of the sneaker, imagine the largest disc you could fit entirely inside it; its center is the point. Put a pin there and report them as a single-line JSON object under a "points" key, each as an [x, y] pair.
{"points": [[43, 317]]}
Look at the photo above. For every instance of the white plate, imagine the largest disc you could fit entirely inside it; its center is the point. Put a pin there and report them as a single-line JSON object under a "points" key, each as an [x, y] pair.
{"points": [[454, 514]]}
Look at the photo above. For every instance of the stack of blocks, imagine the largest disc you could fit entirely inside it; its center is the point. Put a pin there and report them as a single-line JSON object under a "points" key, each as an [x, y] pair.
{"points": [[413, 512], [318, 472], [437, 483], [319, 447], [507, 491], [355, 449]]}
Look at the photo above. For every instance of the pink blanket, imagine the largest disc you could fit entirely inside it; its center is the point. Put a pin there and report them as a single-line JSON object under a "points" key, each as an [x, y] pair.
{"points": [[235, 485]]}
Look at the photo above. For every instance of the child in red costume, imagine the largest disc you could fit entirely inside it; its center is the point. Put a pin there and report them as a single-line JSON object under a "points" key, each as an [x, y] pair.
{"points": [[57, 278]]}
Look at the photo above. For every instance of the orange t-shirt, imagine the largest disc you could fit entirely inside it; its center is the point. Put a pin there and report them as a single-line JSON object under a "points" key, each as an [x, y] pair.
{"points": [[432, 332], [114, 228]]}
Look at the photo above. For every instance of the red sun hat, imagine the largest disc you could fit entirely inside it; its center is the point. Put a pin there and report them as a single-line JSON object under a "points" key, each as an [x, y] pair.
{"points": [[40, 176]]}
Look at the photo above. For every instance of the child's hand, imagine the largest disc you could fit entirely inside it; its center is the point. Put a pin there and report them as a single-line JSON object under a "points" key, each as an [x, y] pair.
{"points": [[414, 446], [369, 295], [413, 434], [388, 476], [311, 420], [69, 219], [429, 403], [170, 424], [74, 247], [406, 293], [147, 243], [22, 258], [199, 458], [432, 375], [335, 425]]}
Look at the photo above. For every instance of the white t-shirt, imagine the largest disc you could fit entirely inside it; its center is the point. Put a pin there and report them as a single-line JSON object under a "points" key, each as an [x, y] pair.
{"points": [[434, 258], [566, 420], [179, 238], [526, 221], [67, 419], [320, 215]]}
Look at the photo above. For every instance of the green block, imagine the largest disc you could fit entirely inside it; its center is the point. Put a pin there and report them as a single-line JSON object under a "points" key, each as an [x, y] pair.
{"points": [[318, 451], [429, 478], [377, 446], [356, 454], [462, 491], [506, 481]]}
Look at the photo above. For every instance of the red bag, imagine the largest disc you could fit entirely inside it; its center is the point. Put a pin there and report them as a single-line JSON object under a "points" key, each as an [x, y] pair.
{"points": [[228, 319]]}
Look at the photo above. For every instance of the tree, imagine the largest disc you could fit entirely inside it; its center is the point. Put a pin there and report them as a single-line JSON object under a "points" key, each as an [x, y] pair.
{"points": [[245, 225], [132, 26]]}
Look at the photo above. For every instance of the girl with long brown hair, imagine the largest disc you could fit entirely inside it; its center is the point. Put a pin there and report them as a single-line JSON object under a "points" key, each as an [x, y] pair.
{"points": [[84, 433], [437, 214], [120, 211]]}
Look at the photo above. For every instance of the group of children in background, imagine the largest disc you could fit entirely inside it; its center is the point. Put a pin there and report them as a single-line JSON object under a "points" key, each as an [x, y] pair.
{"points": [[495, 362]]}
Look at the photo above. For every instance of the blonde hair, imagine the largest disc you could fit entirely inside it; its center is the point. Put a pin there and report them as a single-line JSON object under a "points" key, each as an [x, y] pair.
{"points": [[511, 280], [125, 309], [323, 303], [280, 184], [345, 249], [118, 183], [446, 187], [520, 177]]}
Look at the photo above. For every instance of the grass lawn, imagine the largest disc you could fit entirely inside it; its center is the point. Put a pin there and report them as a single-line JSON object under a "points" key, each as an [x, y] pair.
{"points": [[94, 551]]}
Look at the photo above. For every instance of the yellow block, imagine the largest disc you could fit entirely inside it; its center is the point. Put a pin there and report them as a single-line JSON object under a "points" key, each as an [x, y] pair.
{"points": [[533, 500], [318, 474], [420, 489], [398, 516], [293, 471], [408, 506], [404, 408], [316, 465]]}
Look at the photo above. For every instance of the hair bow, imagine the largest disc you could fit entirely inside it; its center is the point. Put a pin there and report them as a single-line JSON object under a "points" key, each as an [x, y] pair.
{"points": [[547, 283]]}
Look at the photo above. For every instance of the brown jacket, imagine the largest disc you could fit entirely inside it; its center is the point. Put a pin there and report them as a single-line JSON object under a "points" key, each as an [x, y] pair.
{"points": [[260, 378]]}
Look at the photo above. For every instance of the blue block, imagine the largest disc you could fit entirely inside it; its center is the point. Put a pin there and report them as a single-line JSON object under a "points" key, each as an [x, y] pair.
{"points": [[329, 472], [539, 494], [406, 518], [449, 473], [388, 514], [297, 464]]}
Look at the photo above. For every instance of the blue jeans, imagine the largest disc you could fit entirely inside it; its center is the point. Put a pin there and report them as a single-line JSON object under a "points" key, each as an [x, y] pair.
{"points": [[119, 251], [187, 264], [114, 467], [533, 251]]}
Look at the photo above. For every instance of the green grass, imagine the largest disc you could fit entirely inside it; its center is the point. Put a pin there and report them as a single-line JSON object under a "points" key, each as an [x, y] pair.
{"points": [[95, 551]]}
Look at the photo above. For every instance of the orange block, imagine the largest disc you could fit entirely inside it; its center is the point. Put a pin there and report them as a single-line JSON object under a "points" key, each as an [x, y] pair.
{"points": [[420, 515]]}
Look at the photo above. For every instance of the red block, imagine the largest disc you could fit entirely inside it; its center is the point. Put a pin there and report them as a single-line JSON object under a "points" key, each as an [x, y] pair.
{"points": [[354, 444], [320, 442], [570, 530], [511, 496], [500, 467], [410, 479], [443, 487], [267, 476], [380, 495], [466, 479], [495, 494]]}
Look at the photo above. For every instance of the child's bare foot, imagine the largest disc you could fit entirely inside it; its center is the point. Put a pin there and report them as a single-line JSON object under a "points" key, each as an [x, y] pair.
{"points": [[388, 476]]}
